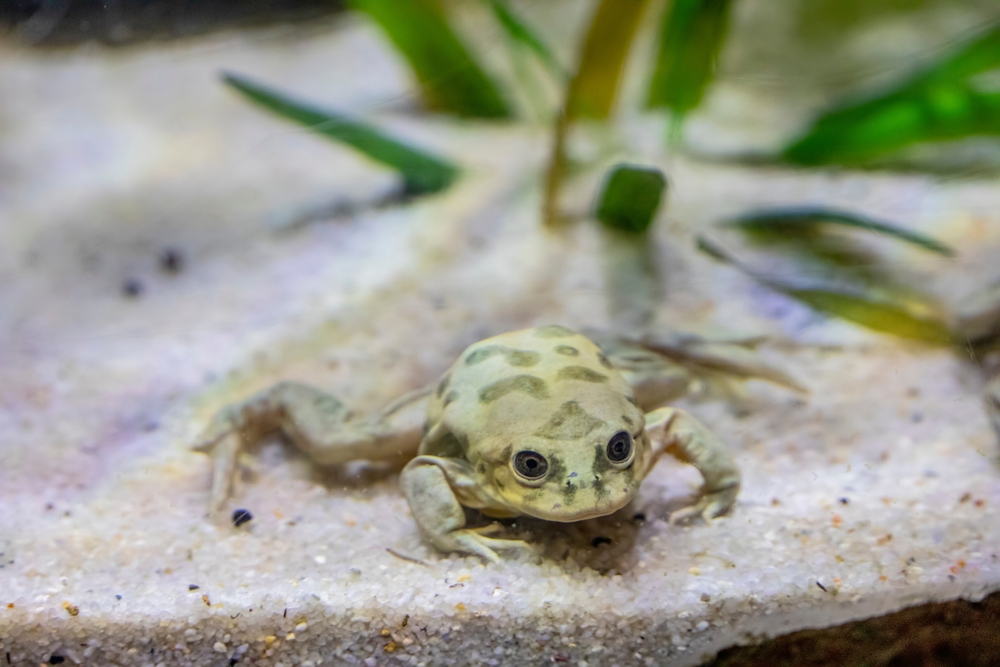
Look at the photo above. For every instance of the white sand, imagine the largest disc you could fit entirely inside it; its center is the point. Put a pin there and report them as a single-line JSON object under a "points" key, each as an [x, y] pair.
{"points": [[100, 396]]}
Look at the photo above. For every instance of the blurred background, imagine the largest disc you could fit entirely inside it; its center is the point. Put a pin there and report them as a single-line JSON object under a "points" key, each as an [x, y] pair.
{"points": [[200, 198], [141, 139]]}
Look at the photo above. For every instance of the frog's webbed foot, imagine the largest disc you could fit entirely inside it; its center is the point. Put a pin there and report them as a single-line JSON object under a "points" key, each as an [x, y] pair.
{"points": [[318, 424], [474, 541], [709, 506], [433, 486]]}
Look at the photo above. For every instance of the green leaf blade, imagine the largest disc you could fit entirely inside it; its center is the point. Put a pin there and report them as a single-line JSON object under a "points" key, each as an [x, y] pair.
{"points": [[857, 136], [421, 171], [449, 77], [520, 32], [876, 315], [906, 318], [690, 40], [630, 198], [976, 55], [594, 88], [796, 220], [939, 103]]}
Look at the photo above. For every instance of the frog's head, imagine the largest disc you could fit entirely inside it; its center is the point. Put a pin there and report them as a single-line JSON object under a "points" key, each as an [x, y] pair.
{"points": [[592, 473]]}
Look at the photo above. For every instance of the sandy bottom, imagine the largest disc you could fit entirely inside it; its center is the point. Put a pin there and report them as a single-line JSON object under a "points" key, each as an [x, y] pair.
{"points": [[877, 490]]}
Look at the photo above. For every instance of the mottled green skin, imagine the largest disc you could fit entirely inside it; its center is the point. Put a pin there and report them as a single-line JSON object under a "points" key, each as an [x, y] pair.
{"points": [[549, 390]]}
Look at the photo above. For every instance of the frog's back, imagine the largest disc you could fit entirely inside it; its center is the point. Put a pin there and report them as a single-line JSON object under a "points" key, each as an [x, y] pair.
{"points": [[513, 384]]}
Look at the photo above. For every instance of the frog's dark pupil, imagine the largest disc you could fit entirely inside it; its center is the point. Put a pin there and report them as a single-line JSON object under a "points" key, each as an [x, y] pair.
{"points": [[620, 446], [531, 464]]}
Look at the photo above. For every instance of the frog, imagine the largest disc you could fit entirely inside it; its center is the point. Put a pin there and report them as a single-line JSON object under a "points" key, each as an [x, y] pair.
{"points": [[545, 422]]}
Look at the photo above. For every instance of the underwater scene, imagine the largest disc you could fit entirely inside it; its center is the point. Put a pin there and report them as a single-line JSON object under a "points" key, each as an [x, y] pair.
{"points": [[500, 332]]}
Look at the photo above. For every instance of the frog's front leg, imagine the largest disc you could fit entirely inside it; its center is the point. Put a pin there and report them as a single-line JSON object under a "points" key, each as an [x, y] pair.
{"points": [[436, 488], [318, 424], [676, 432]]}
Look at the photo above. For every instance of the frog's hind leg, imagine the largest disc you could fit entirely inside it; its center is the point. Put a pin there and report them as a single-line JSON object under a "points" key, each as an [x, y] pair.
{"points": [[318, 424], [736, 358], [665, 367]]}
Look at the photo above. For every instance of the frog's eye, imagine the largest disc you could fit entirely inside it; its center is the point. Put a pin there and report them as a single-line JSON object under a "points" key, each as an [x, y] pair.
{"points": [[620, 446], [530, 465]]}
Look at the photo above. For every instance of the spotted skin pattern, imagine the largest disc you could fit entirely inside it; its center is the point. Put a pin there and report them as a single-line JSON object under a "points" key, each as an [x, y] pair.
{"points": [[548, 391], [566, 407]]}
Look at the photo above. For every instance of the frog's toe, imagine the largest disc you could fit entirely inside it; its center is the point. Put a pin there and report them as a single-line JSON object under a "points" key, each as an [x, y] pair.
{"points": [[469, 542], [472, 541], [225, 453], [506, 544], [710, 506], [683, 514]]}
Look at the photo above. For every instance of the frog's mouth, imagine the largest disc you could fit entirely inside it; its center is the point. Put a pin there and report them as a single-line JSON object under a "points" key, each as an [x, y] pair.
{"points": [[563, 513]]}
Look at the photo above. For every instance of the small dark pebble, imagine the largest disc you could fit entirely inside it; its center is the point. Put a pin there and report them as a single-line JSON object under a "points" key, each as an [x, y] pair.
{"points": [[193, 587], [118, 597], [241, 517], [599, 540], [233, 661], [56, 660], [821, 587], [639, 517], [132, 287], [171, 260], [843, 501]]}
